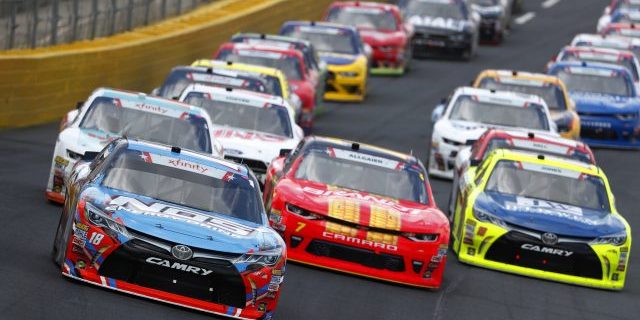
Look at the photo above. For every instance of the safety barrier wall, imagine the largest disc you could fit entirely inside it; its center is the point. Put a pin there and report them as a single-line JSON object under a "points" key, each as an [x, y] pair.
{"points": [[41, 85]]}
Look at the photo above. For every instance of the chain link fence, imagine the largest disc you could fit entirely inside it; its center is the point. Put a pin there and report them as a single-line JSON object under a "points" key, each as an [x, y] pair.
{"points": [[38, 23]]}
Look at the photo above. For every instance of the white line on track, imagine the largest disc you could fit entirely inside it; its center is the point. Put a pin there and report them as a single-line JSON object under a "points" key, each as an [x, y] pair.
{"points": [[549, 3], [525, 18]]}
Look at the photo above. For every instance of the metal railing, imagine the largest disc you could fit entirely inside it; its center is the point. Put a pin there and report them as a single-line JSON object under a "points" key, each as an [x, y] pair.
{"points": [[38, 23]]}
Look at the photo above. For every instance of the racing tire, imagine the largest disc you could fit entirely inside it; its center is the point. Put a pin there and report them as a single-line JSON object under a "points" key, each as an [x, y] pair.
{"points": [[57, 255]]}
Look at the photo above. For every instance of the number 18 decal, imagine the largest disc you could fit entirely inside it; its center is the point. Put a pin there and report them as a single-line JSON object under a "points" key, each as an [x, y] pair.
{"points": [[96, 238]]}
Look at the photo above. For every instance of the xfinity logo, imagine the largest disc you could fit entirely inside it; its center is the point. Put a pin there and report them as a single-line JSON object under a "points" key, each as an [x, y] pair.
{"points": [[557, 252], [178, 266]]}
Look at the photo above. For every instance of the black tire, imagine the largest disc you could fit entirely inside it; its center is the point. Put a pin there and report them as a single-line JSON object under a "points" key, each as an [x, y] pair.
{"points": [[57, 256]]}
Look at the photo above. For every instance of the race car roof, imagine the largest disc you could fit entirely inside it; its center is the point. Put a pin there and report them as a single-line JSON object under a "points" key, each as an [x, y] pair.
{"points": [[607, 41], [590, 65], [147, 103], [269, 38], [520, 75], [320, 25], [547, 160], [245, 97], [316, 142], [183, 154], [506, 97]]}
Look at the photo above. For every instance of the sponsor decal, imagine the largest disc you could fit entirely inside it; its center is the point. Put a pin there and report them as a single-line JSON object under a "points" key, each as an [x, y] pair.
{"points": [[244, 135], [260, 54], [185, 165], [437, 22], [549, 208], [178, 266], [549, 238], [551, 170], [321, 30], [373, 11], [361, 197], [542, 249], [362, 242], [200, 77], [227, 227], [177, 112], [364, 158], [537, 145], [522, 82]]}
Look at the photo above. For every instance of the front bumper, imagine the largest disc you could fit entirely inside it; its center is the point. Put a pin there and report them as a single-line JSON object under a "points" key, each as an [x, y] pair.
{"points": [[345, 88], [442, 160], [492, 247], [425, 43], [389, 61], [491, 29], [126, 265], [608, 131], [344, 248]]}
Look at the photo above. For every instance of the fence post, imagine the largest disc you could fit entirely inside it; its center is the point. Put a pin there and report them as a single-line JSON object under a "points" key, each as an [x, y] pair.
{"points": [[163, 9], [94, 18], [146, 11], [12, 25], [34, 34], [74, 20], [130, 15], [55, 16]]}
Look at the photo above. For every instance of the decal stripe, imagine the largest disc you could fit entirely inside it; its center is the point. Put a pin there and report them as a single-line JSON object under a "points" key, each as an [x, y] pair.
{"points": [[103, 280]]}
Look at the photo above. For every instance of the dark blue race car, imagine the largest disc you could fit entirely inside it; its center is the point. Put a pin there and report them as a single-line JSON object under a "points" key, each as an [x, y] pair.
{"points": [[607, 101]]}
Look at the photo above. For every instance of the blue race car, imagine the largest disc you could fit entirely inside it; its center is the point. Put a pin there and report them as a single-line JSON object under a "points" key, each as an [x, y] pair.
{"points": [[171, 225], [607, 101]]}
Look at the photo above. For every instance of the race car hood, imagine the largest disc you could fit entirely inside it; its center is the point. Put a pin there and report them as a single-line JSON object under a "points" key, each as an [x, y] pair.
{"points": [[382, 38], [178, 224], [390, 214], [604, 104], [439, 25], [547, 216], [83, 140], [251, 144], [337, 59]]}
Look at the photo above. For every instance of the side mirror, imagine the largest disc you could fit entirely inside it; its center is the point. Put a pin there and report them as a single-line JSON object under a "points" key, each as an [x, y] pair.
{"points": [[90, 156], [437, 113], [284, 152], [155, 91], [298, 132], [474, 162], [368, 51], [79, 104]]}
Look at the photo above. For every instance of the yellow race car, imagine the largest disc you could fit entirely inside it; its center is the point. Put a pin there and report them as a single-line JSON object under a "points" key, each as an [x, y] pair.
{"points": [[274, 78], [541, 216], [551, 89], [342, 49]]}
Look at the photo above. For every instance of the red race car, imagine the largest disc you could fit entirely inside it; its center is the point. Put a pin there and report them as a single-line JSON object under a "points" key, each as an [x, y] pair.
{"points": [[381, 27], [358, 209], [286, 58]]}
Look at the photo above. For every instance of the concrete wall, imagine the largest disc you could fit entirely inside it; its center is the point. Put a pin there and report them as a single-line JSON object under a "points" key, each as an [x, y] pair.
{"points": [[40, 85]]}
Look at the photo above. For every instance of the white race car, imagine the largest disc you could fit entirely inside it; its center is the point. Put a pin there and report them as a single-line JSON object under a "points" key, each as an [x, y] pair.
{"points": [[470, 111], [109, 114], [609, 42], [254, 128]]}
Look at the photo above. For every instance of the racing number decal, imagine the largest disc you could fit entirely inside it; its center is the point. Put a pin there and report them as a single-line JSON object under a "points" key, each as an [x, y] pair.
{"points": [[300, 226], [96, 238]]}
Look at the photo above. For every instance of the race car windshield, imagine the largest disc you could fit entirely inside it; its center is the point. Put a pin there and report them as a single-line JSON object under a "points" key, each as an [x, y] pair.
{"points": [[332, 40], [321, 167], [581, 190], [273, 120], [611, 84], [531, 117], [435, 9], [550, 93], [365, 18], [136, 172], [623, 62], [190, 132], [289, 65], [178, 80], [501, 143]]}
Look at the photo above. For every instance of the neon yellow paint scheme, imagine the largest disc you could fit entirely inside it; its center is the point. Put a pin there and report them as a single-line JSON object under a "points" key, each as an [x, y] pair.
{"points": [[472, 238], [347, 82]]}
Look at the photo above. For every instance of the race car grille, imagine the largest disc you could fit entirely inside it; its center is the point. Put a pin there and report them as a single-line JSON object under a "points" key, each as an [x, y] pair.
{"points": [[257, 166], [598, 133], [144, 264], [571, 258], [364, 257]]}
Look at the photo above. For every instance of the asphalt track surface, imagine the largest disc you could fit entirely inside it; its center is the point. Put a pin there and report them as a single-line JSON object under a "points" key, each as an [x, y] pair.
{"points": [[396, 115]]}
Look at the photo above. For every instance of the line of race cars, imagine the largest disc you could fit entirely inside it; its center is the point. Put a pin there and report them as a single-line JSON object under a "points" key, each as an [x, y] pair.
{"points": [[198, 193]]}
